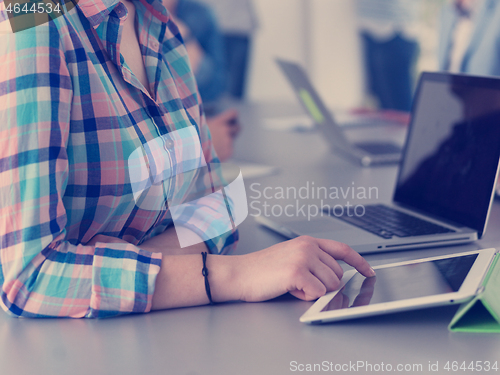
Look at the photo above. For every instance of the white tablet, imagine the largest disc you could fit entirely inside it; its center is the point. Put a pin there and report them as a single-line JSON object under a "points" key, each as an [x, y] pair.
{"points": [[409, 285]]}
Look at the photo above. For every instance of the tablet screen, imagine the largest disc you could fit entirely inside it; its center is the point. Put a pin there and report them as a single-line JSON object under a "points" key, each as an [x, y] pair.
{"points": [[404, 282]]}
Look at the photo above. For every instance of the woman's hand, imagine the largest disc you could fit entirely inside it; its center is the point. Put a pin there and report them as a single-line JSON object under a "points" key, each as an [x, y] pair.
{"points": [[306, 267]]}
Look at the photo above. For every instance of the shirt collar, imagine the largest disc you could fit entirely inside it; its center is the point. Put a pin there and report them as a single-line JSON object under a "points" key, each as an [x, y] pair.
{"points": [[96, 11]]}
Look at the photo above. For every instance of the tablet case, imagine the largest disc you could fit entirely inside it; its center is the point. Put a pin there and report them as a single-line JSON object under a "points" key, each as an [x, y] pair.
{"points": [[482, 314]]}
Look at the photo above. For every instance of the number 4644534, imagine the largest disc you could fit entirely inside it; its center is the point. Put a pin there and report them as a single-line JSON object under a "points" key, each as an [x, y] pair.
{"points": [[41, 7]]}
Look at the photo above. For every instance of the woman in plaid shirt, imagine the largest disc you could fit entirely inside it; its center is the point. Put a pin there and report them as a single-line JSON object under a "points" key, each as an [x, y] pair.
{"points": [[78, 96]]}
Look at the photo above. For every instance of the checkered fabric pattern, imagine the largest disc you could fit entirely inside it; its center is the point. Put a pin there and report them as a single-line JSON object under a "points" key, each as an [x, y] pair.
{"points": [[71, 114]]}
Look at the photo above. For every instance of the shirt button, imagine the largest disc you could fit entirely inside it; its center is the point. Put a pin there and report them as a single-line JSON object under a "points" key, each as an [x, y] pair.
{"points": [[169, 143], [155, 45]]}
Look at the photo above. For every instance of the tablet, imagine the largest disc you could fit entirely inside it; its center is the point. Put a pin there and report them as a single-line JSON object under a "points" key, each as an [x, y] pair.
{"points": [[409, 285]]}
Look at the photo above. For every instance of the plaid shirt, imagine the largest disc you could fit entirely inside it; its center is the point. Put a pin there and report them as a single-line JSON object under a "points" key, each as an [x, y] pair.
{"points": [[71, 114]]}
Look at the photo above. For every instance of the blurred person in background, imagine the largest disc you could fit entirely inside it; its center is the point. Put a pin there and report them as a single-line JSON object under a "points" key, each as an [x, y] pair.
{"points": [[388, 29], [469, 37], [238, 22], [205, 47]]}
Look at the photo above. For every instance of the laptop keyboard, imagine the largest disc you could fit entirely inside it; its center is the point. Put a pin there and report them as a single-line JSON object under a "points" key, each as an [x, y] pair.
{"points": [[387, 222]]}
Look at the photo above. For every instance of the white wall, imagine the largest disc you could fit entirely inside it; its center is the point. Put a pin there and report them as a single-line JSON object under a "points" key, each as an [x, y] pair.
{"points": [[336, 50], [319, 34], [280, 34]]}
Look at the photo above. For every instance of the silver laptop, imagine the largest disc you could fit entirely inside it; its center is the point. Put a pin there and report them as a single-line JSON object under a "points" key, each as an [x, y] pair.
{"points": [[366, 153], [445, 187]]}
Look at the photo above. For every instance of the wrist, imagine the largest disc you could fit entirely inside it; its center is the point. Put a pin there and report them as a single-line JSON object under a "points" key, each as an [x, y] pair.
{"points": [[224, 277]]}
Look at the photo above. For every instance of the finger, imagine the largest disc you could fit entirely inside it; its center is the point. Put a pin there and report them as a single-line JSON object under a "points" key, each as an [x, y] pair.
{"points": [[326, 275], [343, 252], [308, 288], [332, 263]]}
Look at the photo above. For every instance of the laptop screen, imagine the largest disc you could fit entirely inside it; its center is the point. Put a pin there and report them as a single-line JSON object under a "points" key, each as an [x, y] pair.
{"points": [[453, 148]]}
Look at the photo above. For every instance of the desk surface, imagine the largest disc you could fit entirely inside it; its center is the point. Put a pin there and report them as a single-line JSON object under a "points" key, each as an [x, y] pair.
{"points": [[260, 338]]}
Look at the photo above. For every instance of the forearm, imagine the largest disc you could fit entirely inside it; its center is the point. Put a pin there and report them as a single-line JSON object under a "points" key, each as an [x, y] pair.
{"points": [[180, 282]]}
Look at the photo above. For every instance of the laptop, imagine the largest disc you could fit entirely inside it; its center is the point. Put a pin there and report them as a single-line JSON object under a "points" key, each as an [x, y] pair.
{"points": [[366, 153], [446, 180]]}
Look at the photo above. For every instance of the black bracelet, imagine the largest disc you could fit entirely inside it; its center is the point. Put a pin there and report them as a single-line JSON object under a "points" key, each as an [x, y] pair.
{"points": [[204, 272]]}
